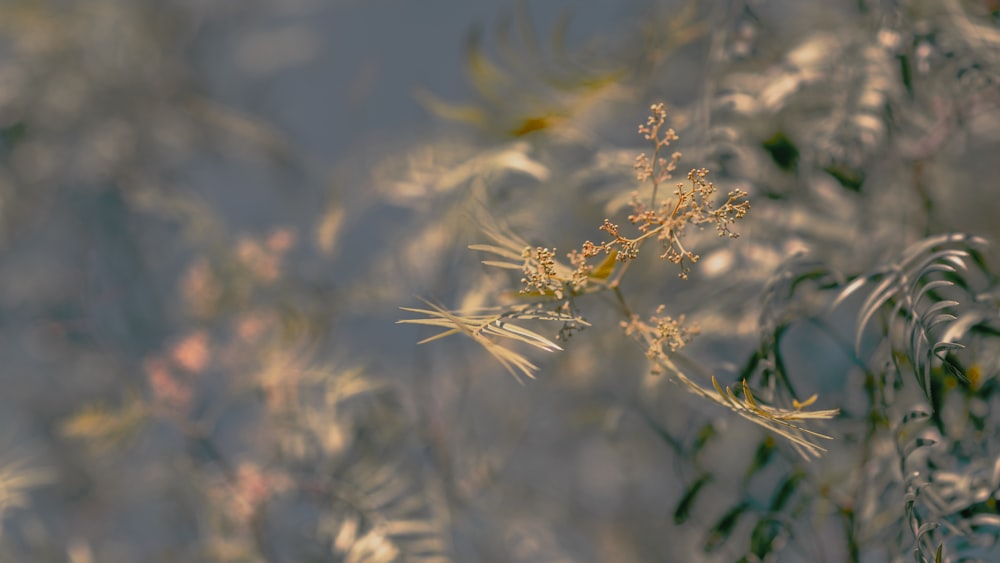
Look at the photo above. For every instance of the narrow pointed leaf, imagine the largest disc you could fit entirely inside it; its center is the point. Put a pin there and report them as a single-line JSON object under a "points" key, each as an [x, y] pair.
{"points": [[683, 511]]}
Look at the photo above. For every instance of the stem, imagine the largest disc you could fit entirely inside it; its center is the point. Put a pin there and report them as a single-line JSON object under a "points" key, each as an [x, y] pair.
{"points": [[656, 183], [621, 300]]}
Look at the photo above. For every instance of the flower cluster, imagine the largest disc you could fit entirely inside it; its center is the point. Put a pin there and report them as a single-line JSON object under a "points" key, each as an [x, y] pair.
{"points": [[660, 332], [693, 204], [540, 274], [657, 169]]}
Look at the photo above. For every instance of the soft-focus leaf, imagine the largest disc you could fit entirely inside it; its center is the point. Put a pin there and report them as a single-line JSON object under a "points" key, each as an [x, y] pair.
{"points": [[723, 528], [683, 510]]}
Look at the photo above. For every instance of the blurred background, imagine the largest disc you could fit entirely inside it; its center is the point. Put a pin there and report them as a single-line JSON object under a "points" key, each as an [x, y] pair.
{"points": [[211, 212]]}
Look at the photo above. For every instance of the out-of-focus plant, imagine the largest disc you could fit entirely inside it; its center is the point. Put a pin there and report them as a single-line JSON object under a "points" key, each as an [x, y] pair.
{"points": [[162, 346]]}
